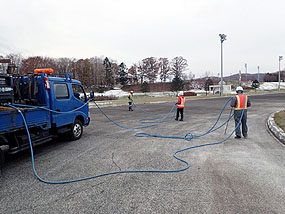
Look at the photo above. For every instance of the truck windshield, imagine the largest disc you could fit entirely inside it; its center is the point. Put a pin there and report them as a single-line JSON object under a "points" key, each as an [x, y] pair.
{"points": [[79, 92]]}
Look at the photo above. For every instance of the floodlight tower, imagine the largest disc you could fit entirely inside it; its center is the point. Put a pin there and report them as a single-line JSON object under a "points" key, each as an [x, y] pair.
{"points": [[279, 79], [223, 38]]}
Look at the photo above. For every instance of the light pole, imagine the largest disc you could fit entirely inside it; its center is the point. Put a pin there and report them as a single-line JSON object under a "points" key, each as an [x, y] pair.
{"points": [[280, 58], [239, 80], [258, 73], [245, 72], [223, 38]]}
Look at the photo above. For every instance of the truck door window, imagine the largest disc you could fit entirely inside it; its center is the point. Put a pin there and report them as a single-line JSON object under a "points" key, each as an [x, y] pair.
{"points": [[79, 92], [61, 91]]}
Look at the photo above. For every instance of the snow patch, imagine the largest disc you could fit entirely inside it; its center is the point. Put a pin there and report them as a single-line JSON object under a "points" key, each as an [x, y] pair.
{"points": [[267, 86]]}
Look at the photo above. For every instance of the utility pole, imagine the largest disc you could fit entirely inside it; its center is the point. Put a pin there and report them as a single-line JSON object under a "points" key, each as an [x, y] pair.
{"points": [[245, 72], [279, 79], [258, 73], [239, 80], [223, 38]]}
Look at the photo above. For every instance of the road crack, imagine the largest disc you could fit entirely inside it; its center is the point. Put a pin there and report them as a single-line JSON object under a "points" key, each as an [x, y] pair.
{"points": [[115, 162]]}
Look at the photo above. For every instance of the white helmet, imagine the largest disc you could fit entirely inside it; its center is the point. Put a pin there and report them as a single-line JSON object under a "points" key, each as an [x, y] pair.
{"points": [[180, 93], [239, 88], [132, 92]]}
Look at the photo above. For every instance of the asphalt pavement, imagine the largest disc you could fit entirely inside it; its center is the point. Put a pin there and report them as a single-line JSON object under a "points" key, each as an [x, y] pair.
{"points": [[238, 176]]}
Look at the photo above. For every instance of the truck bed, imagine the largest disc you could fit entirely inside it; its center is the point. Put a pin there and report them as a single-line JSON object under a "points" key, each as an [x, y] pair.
{"points": [[11, 120]]}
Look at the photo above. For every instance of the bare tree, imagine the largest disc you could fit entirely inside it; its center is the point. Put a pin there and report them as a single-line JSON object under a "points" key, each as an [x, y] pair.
{"points": [[116, 70], [65, 65], [164, 69], [16, 60], [32, 63], [178, 66], [151, 66], [141, 72], [98, 74], [83, 71], [133, 74], [148, 69], [190, 76]]}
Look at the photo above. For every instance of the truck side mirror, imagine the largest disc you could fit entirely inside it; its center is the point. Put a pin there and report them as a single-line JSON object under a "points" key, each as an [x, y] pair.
{"points": [[91, 96]]}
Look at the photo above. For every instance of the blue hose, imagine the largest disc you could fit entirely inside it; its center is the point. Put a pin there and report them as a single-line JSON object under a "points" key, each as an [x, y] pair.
{"points": [[123, 171], [140, 127], [189, 136], [151, 119], [57, 112]]}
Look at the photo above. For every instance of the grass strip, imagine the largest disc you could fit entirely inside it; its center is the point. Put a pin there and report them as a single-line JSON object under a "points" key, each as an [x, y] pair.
{"points": [[279, 119]]}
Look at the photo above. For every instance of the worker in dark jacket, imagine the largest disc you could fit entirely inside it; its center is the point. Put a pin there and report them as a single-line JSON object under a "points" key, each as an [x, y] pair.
{"points": [[130, 100], [240, 102], [180, 106]]}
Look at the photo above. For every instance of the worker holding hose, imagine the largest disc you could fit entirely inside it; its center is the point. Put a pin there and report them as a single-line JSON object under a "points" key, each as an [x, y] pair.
{"points": [[240, 103], [130, 100], [180, 105]]}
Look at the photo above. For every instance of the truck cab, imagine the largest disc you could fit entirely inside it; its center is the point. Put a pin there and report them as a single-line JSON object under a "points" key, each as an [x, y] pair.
{"points": [[52, 104], [68, 98]]}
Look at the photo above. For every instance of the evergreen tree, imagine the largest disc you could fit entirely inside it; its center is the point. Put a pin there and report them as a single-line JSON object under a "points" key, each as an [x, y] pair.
{"points": [[109, 73], [208, 82], [255, 84], [177, 84], [123, 75], [145, 87]]}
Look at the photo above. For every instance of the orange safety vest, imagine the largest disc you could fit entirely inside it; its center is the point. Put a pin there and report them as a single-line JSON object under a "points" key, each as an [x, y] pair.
{"points": [[241, 102], [181, 101]]}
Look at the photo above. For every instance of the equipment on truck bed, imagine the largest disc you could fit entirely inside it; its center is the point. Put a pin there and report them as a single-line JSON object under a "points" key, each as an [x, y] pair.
{"points": [[6, 83]]}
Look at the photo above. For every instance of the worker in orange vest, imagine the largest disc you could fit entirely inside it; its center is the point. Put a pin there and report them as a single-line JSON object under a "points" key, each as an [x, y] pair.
{"points": [[180, 106], [240, 102]]}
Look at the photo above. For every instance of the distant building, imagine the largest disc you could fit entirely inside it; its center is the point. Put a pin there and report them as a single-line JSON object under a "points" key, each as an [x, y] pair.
{"points": [[227, 89]]}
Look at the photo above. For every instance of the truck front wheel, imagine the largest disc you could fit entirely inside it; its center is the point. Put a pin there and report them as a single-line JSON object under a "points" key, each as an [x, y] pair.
{"points": [[1, 160], [76, 130]]}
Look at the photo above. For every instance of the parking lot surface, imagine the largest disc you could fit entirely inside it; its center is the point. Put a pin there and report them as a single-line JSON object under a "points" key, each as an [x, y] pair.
{"points": [[238, 176]]}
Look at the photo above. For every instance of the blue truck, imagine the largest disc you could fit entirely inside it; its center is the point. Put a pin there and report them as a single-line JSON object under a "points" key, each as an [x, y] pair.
{"points": [[52, 104]]}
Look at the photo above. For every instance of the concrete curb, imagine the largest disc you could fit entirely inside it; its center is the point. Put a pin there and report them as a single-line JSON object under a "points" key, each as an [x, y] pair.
{"points": [[275, 130]]}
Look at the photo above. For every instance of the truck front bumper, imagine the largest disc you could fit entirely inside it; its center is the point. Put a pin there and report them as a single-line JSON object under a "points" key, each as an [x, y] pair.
{"points": [[87, 121]]}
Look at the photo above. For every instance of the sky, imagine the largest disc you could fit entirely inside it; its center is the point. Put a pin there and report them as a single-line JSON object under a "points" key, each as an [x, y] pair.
{"points": [[131, 30]]}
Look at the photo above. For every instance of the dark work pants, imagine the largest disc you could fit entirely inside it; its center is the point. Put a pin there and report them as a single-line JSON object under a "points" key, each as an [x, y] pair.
{"points": [[179, 110], [237, 115], [130, 106]]}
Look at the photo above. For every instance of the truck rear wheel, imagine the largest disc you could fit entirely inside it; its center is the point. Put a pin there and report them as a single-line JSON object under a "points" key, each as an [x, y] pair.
{"points": [[76, 130]]}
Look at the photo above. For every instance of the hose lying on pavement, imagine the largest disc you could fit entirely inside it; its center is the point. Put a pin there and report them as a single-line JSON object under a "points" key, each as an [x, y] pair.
{"points": [[140, 127], [125, 171], [189, 136]]}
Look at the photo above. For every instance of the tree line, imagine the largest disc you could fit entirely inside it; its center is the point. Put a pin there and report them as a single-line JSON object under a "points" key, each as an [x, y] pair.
{"points": [[104, 72]]}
